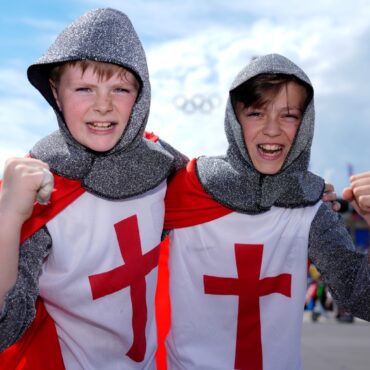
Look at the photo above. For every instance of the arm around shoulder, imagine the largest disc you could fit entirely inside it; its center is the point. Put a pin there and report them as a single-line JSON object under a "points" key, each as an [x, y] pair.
{"points": [[180, 159]]}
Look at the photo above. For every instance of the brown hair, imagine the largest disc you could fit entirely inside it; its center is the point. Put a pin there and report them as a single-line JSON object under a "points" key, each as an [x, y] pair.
{"points": [[104, 70], [262, 88]]}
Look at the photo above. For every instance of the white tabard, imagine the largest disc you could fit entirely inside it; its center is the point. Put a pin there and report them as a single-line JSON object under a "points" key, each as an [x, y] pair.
{"points": [[103, 263], [237, 288]]}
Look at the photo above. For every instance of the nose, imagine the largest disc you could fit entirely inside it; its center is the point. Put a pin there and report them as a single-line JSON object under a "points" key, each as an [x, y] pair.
{"points": [[103, 102], [272, 126]]}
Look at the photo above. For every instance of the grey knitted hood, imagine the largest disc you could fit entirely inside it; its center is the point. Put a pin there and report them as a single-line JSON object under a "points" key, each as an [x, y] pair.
{"points": [[135, 165], [233, 180]]}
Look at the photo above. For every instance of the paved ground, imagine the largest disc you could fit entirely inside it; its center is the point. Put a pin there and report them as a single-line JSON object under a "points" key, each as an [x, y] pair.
{"points": [[330, 345]]}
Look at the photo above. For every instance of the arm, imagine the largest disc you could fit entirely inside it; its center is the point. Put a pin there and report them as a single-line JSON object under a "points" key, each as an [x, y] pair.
{"points": [[180, 159], [22, 180], [19, 268], [19, 304], [344, 270]]}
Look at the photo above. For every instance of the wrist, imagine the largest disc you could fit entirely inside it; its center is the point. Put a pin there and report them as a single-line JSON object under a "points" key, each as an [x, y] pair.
{"points": [[10, 219]]}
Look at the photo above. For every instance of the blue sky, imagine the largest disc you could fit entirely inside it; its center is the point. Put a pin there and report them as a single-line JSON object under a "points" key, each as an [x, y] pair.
{"points": [[197, 47]]}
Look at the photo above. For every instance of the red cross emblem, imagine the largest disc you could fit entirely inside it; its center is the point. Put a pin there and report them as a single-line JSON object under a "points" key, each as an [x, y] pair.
{"points": [[131, 274], [249, 288]]}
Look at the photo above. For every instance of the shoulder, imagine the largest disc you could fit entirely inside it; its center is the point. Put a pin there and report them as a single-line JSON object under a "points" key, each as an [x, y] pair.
{"points": [[187, 203], [184, 185]]}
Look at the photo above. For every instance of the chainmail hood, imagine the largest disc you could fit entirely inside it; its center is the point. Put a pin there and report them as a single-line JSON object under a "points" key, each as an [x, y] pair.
{"points": [[232, 179], [135, 165]]}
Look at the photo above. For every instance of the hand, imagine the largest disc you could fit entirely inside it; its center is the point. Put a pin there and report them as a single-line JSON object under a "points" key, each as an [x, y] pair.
{"points": [[330, 196], [358, 193], [23, 179]]}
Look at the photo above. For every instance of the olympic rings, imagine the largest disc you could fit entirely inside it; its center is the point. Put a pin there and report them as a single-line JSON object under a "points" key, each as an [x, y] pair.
{"points": [[197, 103]]}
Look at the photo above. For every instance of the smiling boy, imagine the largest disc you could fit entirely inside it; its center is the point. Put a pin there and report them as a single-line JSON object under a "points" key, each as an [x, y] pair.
{"points": [[79, 290], [243, 225], [96, 106], [269, 130]]}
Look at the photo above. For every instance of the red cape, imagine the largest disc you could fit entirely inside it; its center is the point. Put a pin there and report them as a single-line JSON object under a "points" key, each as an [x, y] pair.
{"points": [[187, 204]]}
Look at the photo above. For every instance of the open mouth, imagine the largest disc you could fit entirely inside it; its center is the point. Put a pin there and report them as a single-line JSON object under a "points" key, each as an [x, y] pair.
{"points": [[101, 126], [270, 151]]}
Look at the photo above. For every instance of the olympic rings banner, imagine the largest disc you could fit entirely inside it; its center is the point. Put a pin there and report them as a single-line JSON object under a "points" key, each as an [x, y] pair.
{"points": [[197, 103]]}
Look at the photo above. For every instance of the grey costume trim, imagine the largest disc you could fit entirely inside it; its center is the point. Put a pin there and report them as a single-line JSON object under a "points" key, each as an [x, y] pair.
{"points": [[19, 308], [344, 269], [135, 165], [232, 179]]}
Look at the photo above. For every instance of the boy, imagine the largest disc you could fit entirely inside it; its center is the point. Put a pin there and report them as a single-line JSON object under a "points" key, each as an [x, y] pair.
{"points": [[92, 253], [243, 225]]}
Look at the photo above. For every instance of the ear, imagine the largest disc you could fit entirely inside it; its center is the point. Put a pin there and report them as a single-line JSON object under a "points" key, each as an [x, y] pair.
{"points": [[55, 92]]}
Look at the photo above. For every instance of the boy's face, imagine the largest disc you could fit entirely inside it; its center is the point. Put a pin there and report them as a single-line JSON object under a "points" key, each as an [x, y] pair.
{"points": [[269, 131], [96, 110]]}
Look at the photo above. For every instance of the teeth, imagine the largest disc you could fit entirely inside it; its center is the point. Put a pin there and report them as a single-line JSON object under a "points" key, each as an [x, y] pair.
{"points": [[101, 125], [270, 147]]}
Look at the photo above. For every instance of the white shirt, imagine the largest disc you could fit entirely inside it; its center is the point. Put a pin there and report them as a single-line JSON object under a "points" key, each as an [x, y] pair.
{"points": [[94, 273], [237, 287]]}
